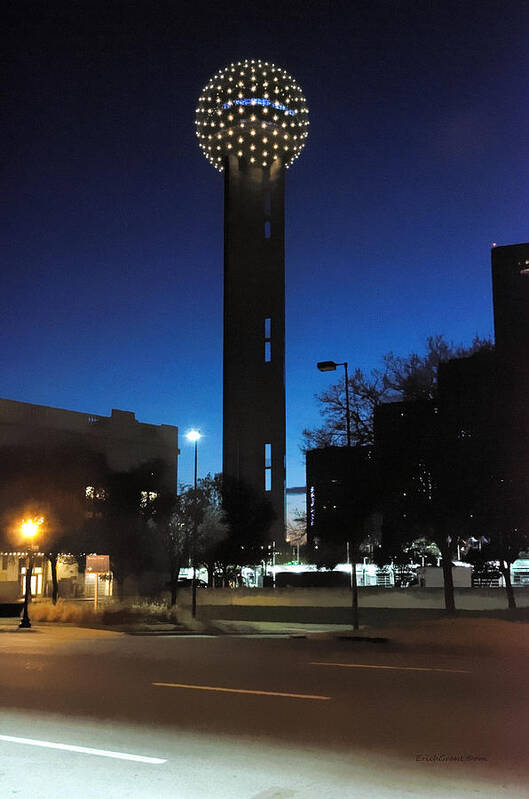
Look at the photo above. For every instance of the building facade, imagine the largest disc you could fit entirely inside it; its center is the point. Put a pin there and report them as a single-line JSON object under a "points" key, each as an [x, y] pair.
{"points": [[510, 286], [55, 462], [124, 442], [339, 495]]}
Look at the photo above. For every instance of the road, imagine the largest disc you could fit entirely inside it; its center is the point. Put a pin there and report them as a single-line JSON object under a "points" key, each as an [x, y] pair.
{"points": [[96, 713]]}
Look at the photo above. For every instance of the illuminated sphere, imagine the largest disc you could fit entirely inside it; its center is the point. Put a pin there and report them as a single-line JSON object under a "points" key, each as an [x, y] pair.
{"points": [[255, 111]]}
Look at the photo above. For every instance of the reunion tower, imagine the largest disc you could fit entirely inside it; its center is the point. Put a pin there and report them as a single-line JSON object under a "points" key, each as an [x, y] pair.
{"points": [[252, 123]]}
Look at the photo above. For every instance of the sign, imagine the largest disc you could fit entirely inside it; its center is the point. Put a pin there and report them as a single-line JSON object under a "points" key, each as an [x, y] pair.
{"points": [[97, 564]]}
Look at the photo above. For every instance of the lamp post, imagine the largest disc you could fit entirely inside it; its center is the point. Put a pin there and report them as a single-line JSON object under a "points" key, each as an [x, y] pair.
{"points": [[29, 529], [330, 366], [194, 436]]}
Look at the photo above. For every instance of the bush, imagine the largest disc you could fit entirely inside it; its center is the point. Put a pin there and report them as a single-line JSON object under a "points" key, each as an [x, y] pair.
{"points": [[113, 613]]}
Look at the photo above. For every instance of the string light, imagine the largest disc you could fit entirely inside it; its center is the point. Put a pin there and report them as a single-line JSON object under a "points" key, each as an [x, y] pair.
{"points": [[267, 109]]}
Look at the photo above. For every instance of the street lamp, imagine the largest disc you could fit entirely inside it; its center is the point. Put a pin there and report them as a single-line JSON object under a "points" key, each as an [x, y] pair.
{"points": [[194, 436], [29, 529], [330, 366]]}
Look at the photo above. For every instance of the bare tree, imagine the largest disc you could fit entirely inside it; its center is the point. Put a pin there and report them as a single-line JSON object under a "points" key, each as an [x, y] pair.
{"points": [[399, 378]]}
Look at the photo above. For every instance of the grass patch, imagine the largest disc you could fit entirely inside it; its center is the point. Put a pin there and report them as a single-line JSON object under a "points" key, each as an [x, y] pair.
{"points": [[109, 613]]}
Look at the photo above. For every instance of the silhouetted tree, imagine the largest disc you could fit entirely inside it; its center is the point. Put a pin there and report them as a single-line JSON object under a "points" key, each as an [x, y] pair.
{"points": [[121, 527], [501, 519], [249, 517], [436, 505], [48, 481], [174, 522], [399, 378]]}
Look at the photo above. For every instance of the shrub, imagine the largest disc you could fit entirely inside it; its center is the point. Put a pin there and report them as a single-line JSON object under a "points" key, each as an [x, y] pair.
{"points": [[108, 613]]}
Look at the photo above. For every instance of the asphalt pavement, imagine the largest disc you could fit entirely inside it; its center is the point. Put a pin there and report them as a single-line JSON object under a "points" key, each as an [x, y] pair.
{"points": [[434, 710]]}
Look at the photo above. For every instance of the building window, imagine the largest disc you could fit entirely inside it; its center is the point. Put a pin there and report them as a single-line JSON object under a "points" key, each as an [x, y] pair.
{"points": [[268, 467], [147, 498], [268, 339], [94, 494], [4, 563], [267, 229]]}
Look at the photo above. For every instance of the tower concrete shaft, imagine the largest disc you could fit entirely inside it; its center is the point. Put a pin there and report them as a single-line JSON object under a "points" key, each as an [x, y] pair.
{"points": [[254, 330]]}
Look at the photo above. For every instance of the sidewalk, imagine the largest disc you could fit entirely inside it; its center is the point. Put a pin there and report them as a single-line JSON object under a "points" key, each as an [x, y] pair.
{"points": [[464, 635], [230, 627], [467, 636]]}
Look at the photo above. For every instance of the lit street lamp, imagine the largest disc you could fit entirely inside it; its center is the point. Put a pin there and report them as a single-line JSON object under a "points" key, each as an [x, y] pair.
{"points": [[29, 529], [330, 366], [194, 436]]}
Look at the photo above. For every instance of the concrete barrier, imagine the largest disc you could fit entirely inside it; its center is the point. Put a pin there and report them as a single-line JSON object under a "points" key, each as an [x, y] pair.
{"points": [[419, 598]]}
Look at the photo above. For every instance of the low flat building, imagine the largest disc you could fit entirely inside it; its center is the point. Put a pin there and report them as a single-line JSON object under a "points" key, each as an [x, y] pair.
{"points": [[56, 461], [120, 438]]}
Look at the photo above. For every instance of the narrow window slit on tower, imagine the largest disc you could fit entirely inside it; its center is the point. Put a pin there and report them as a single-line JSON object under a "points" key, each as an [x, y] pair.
{"points": [[268, 339], [268, 467], [267, 229]]}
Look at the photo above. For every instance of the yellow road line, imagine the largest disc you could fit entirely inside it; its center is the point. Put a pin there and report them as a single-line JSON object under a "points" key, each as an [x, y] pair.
{"points": [[239, 690], [392, 668]]}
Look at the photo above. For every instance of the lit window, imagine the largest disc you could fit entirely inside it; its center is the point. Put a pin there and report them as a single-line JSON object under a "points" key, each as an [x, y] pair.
{"points": [[147, 498], [268, 339], [268, 467], [92, 494]]}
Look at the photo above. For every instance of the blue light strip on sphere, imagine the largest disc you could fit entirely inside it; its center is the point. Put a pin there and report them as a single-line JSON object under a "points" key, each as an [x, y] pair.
{"points": [[258, 101]]}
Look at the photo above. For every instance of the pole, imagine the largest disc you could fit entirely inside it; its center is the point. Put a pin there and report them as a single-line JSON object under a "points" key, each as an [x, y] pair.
{"points": [[194, 543], [25, 622], [354, 591], [347, 415], [351, 553]]}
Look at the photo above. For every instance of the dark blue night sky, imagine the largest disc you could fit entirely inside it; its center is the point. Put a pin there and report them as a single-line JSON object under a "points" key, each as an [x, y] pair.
{"points": [[417, 160]]}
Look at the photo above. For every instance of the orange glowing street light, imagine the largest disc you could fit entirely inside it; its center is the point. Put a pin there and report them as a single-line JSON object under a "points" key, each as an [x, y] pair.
{"points": [[29, 529]]}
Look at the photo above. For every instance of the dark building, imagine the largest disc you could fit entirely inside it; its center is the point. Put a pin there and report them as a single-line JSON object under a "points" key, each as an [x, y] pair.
{"points": [[339, 483], [251, 124], [68, 454], [406, 444], [510, 290], [467, 397], [59, 463], [436, 457], [120, 439], [510, 285], [460, 459]]}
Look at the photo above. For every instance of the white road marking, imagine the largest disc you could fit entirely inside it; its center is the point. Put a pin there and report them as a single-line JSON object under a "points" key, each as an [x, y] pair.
{"points": [[392, 668], [239, 690], [84, 750]]}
